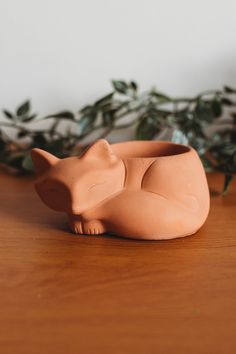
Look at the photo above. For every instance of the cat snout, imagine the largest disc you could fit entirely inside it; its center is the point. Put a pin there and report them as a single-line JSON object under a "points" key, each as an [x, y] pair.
{"points": [[75, 210]]}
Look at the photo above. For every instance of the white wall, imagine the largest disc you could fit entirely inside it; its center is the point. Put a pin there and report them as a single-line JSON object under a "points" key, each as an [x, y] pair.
{"points": [[62, 53]]}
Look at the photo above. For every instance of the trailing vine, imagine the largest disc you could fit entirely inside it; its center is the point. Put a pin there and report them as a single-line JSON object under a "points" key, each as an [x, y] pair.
{"points": [[151, 114]]}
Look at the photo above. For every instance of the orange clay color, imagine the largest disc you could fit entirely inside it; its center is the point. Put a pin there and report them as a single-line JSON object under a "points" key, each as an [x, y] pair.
{"points": [[147, 190]]}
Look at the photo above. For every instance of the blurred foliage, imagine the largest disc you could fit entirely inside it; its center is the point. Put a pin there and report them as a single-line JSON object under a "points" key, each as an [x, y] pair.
{"points": [[187, 120]]}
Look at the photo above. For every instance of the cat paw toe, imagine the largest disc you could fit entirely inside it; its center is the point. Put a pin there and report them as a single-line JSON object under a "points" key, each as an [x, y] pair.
{"points": [[76, 230], [76, 227], [92, 231], [87, 228]]}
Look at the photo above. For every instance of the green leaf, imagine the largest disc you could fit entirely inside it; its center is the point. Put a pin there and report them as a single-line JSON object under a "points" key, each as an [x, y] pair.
{"points": [[62, 115], [23, 109], [134, 85], [227, 182], [208, 166], [161, 96], [22, 134], [39, 140], [2, 143], [27, 119], [178, 137], [104, 100], [56, 147], [8, 114], [147, 129], [216, 108], [27, 164], [86, 122], [15, 160], [86, 109], [233, 115], [228, 89], [203, 111], [108, 117], [120, 86], [226, 101]]}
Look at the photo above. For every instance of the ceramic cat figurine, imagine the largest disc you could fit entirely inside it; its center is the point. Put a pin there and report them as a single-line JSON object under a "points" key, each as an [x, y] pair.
{"points": [[141, 189]]}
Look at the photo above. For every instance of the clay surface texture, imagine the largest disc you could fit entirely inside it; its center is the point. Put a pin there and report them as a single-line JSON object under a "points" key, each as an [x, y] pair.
{"points": [[147, 190]]}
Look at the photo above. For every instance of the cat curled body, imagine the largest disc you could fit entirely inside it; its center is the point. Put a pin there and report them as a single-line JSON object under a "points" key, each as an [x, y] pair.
{"points": [[144, 190]]}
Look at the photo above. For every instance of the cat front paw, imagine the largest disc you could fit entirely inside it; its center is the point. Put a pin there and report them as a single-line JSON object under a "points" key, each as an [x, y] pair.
{"points": [[94, 227], [76, 226]]}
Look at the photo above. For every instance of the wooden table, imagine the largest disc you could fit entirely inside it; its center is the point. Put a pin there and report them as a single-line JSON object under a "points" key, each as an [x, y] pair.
{"points": [[61, 293]]}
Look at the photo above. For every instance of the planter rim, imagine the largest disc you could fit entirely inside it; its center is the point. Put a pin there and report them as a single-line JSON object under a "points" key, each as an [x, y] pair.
{"points": [[150, 149]]}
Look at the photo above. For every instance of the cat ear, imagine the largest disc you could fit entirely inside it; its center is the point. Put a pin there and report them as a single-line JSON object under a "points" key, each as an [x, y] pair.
{"points": [[42, 160], [100, 150]]}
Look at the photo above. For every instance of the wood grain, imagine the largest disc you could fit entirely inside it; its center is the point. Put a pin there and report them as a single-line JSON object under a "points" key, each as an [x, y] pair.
{"points": [[63, 294]]}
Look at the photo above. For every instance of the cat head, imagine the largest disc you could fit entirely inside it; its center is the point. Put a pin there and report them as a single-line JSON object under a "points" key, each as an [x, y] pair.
{"points": [[76, 184]]}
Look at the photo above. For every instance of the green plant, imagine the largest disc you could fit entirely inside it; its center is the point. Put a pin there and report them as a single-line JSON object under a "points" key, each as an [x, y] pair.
{"points": [[184, 119]]}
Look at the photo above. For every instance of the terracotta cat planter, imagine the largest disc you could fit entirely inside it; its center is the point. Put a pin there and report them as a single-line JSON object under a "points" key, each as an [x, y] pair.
{"points": [[140, 189]]}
